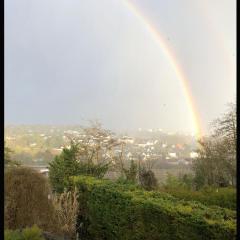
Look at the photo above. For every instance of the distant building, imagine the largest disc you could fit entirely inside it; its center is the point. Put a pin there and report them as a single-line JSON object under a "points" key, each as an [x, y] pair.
{"points": [[44, 171], [56, 151], [183, 161], [193, 154], [149, 143], [127, 139], [172, 155], [172, 161]]}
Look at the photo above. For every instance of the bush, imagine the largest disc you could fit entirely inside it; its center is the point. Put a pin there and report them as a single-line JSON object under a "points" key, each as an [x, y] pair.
{"points": [[147, 179], [131, 173], [110, 210], [66, 207], [12, 235], [26, 199], [223, 197], [183, 181], [33, 233]]}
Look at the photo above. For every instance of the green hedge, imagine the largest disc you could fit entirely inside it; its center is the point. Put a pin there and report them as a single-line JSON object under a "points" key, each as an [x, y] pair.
{"points": [[116, 211], [224, 197]]}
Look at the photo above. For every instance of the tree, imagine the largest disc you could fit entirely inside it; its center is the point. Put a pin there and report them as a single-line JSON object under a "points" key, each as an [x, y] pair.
{"points": [[225, 127], [89, 154], [131, 173], [147, 179], [216, 164], [8, 161]]}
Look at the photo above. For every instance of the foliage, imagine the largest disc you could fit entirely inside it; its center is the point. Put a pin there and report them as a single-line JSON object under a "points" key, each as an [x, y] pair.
{"points": [[110, 210], [8, 161], [70, 163], [211, 167], [226, 126], [182, 187], [184, 181], [66, 208], [223, 197], [90, 153], [26, 199], [147, 179], [131, 173], [29, 233], [216, 164]]}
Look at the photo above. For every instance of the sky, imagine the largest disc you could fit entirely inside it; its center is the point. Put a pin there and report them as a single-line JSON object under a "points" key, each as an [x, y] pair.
{"points": [[70, 61]]}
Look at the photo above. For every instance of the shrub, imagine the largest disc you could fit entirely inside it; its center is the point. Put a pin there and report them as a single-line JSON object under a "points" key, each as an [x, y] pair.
{"points": [[32, 233], [131, 173], [12, 235], [223, 197], [110, 210], [66, 208], [147, 179], [26, 199]]}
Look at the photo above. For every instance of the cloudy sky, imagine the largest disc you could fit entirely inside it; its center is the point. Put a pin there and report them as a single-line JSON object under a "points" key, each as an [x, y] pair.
{"points": [[69, 61]]}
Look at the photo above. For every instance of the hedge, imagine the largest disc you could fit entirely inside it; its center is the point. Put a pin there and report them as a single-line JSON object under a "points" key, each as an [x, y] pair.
{"points": [[224, 197], [111, 210]]}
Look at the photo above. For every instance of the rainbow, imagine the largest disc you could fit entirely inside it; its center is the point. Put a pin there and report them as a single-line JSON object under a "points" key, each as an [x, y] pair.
{"points": [[156, 35]]}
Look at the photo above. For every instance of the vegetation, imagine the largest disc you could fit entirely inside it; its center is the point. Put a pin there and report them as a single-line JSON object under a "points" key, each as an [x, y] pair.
{"points": [[29, 233], [131, 173], [109, 210], [147, 179], [66, 209], [8, 161], [216, 164], [72, 162], [183, 187], [26, 202], [223, 197], [80, 202]]}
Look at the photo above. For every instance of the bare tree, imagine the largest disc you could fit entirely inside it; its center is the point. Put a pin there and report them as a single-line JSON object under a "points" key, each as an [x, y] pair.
{"points": [[216, 164]]}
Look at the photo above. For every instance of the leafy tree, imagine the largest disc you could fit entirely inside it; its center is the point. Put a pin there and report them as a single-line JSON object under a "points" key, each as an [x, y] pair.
{"points": [[77, 160], [90, 153]]}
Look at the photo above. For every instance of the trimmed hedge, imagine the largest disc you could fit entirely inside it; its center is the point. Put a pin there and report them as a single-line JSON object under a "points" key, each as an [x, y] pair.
{"points": [[110, 210], [225, 197]]}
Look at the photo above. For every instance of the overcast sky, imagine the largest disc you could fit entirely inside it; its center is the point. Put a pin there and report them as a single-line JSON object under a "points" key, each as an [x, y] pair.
{"points": [[68, 61]]}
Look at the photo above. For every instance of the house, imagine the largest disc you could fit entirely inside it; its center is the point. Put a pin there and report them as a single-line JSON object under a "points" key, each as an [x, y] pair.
{"points": [[44, 171], [193, 154], [172, 154], [172, 161]]}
